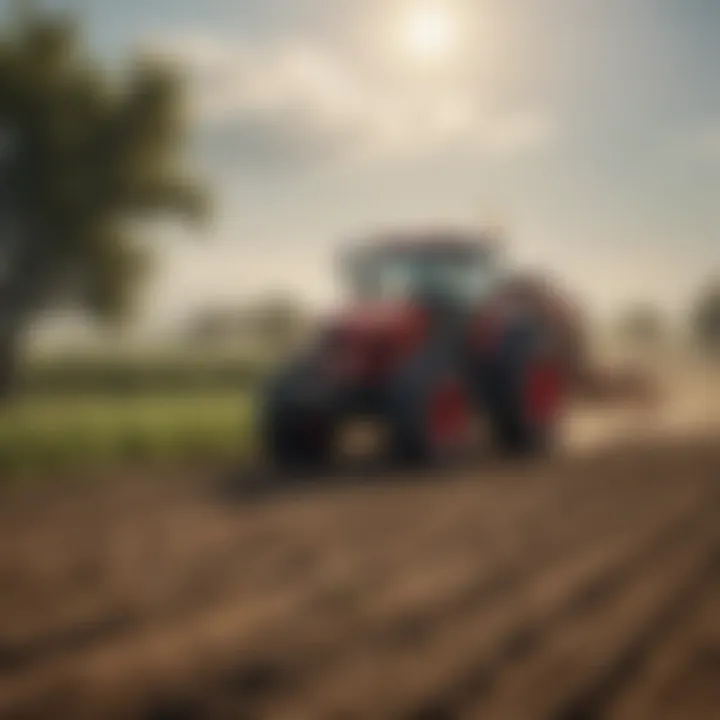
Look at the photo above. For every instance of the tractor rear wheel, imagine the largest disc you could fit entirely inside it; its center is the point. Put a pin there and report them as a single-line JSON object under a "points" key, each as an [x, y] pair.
{"points": [[526, 393], [430, 414]]}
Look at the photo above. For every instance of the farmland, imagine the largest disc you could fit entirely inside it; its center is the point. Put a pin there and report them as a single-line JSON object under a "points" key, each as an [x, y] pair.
{"points": [[99, 411], [489, 231], [57, 434], [103, 410], [583, 587], [191, 583]]}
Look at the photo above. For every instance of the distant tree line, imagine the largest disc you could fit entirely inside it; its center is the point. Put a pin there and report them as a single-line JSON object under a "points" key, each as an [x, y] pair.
{"points": [[274, 323], [706, 318], [644, 325]]}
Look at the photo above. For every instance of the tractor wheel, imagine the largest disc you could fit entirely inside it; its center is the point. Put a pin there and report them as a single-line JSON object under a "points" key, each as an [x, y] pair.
{"points": [[430, 415], [525, 395], [295, 434]]}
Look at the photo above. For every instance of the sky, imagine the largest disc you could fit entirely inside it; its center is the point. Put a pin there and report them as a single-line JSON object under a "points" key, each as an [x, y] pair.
{"points": [[588, 129]]}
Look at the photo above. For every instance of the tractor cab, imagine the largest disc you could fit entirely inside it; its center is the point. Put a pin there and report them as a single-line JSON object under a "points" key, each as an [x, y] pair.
{"points": [[436, 270]]}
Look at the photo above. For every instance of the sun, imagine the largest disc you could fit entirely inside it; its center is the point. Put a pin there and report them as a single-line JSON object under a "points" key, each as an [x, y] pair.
{"points": [[430, 31]]}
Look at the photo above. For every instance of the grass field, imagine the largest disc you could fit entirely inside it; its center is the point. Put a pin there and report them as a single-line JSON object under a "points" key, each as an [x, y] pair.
{"points": [[141, 373], [38, 434], [101, 409], [88, 412]]}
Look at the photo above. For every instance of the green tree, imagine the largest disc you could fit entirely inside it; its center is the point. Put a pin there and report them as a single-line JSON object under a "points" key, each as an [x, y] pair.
{"points": [[706, 318], [84, 155]]}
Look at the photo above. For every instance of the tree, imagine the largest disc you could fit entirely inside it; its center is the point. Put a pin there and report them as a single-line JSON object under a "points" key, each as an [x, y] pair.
{"points": [[706, 318], [83, 156]]}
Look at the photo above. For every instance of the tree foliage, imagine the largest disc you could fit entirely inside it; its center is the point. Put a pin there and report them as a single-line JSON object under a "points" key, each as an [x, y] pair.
{"points": [[706, 318], [83, 154]]}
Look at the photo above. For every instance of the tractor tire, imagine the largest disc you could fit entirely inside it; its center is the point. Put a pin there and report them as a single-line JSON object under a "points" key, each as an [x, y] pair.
{"points": [[294, 433], [524, 393], [430, 413]]}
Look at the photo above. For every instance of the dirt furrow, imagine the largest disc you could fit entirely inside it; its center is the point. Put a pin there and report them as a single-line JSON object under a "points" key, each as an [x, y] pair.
{"points": [[621, 625], [457, 558], [571, 588], [387, 679], [420, 602], [273, 564], [241, 561], [680, 677]]}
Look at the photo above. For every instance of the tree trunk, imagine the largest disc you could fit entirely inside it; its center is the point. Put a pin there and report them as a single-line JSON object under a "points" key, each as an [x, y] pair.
{"points": [[28, 259], [8, 366], [17, 302], [14, 311]]}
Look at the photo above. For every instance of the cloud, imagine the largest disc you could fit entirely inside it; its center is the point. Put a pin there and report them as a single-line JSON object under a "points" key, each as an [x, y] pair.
{"points": [[304, 98]]}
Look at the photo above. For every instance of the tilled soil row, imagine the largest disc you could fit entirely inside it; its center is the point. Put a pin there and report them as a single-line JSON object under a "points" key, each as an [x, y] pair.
{"points": [[572, 588]]}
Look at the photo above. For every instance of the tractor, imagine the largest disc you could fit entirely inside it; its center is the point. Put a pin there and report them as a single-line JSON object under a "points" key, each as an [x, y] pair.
{"points": [[437, 336]]}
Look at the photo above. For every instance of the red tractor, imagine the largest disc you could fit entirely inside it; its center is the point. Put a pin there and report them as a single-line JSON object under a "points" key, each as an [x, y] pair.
{"points": [[437, 336]]}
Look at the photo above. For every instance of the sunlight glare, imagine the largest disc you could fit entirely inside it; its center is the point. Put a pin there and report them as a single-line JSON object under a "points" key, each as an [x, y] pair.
{"points": [[430, 32]]}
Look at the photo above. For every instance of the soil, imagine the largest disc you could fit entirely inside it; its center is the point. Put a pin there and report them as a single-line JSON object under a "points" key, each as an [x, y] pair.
{"points": [[581, 586]]}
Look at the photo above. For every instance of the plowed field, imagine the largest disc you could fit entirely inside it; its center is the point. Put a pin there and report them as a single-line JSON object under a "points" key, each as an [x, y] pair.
{"points": [[583, 587]]}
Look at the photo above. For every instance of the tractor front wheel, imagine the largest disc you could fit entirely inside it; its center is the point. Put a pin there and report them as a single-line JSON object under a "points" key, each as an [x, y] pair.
{"points": [[295, 434]]}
